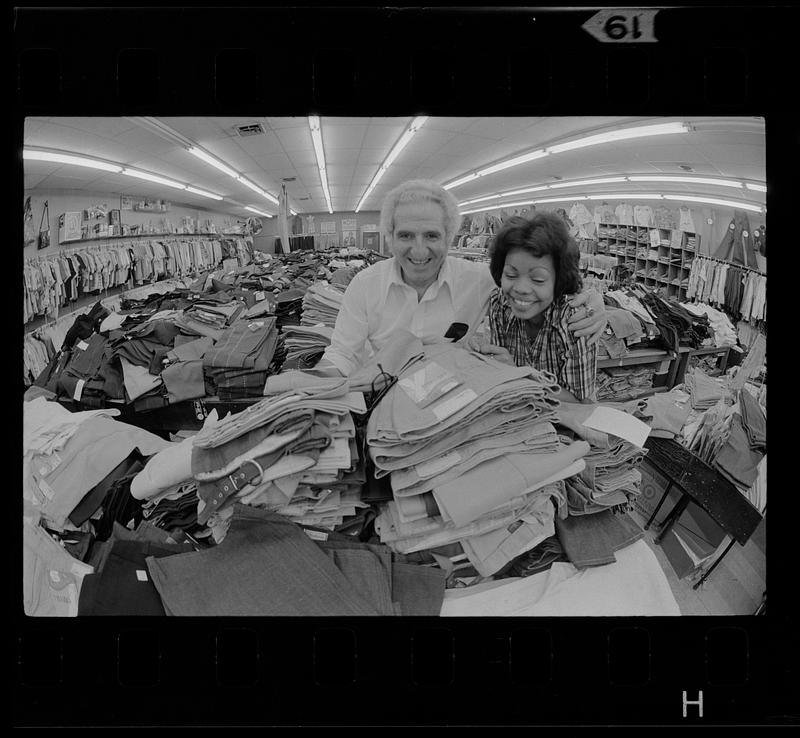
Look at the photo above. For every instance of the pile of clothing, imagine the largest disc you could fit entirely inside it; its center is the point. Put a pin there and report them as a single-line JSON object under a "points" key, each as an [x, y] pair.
{"points": [[321, 304], [620, 383], [720, 328], [305, 345], [236, 520], [705, 391], [473, 458], [239, 363]]}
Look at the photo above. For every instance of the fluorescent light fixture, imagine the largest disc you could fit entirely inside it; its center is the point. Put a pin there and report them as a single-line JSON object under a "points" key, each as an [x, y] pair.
{"points": [[256, 188], [562, 199], [257, 212], [755, 187], [692, 180], [461, 181], [408, 134], [526, 190], [627, 196], [516, 161], [153, 178], [581, 183], [479, 199], [620, 135], [80, 161], [204, 193], [711, 201], [316, 137], [208, 159]]}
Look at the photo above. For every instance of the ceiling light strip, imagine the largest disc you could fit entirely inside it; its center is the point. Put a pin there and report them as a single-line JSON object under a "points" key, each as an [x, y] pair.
{"points": [[63, 158], [258, 212], [402, 142], [315, 125], [599, 138]]}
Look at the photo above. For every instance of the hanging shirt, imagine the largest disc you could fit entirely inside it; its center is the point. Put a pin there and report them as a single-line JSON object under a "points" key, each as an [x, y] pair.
{"points": [[643, 215]]}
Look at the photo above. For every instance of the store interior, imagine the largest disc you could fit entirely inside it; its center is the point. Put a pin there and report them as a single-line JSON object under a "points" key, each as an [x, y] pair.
{"points": [[183, 277]]}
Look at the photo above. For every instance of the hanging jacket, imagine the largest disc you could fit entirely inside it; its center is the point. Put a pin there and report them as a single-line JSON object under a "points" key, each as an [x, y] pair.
{"points": [[735, 245]]}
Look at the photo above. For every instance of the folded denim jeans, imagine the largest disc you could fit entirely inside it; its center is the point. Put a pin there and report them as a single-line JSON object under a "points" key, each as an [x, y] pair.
{"points": [[591, 540]]}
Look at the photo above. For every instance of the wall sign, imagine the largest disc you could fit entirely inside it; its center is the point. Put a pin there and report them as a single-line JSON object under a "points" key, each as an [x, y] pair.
{"points": [[622, 25], [349, 224], [327, 226]]}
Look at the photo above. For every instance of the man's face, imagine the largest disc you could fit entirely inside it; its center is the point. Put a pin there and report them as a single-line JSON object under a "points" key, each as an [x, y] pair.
{"points": [[418, 242]]}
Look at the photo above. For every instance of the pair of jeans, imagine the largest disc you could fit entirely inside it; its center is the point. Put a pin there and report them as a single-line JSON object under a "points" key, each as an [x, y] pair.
{"points": [[265, 566], [123, 587], [591, 540], [753, 420]]}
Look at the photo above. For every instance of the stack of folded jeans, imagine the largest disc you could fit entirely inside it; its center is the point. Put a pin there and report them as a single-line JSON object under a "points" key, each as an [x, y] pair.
{"points": [[281, 454], [238, 364], [289, 307], [322, 303], [705, 391], [89, 374], [472, 456], [305, 344], [616, 383]]}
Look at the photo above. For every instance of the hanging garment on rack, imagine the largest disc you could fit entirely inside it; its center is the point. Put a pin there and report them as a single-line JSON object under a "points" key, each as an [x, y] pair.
{"points": [[664, 217], [643, 215], [686, 222], [737, 243], [624, 213]]}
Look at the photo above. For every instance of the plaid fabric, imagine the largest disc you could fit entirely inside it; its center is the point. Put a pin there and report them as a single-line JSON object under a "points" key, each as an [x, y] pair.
{"points": [[555, 349]]}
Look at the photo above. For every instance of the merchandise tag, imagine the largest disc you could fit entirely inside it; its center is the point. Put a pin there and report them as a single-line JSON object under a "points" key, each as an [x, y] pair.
{"points": [[54, 575], [316, 535], [46, 489], [260, 295], [78, 390], [82, 345], [447, 408], [255, 326], [141, 575], [428, 384]]}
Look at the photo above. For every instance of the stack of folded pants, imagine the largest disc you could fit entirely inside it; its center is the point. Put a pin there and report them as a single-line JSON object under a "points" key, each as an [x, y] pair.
{"points": [[239, 362], [472, 456]]}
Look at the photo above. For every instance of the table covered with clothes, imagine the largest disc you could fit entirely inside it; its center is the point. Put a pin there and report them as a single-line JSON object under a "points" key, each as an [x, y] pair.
{"points": [[433, 481]]}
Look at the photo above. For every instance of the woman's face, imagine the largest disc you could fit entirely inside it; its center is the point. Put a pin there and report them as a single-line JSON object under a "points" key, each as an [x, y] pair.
{"points": [[528, 282], [418, 242]]}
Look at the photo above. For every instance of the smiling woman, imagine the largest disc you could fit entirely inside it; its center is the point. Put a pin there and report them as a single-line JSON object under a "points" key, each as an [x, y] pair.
{"points": [[535, 265]]}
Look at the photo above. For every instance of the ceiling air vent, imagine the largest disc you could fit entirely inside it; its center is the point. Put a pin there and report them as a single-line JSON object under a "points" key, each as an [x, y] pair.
{"points": [[289, 179], [249, 129]]}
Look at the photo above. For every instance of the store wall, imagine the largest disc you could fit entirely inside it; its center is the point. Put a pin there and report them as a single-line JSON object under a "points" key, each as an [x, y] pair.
{"points": [[61, 201], [265, 241], [711, 235]]}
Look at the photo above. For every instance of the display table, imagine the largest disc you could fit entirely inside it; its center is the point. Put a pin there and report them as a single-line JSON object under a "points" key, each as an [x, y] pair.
{"points": [[706, 487], [640, 356], [679, 366]]}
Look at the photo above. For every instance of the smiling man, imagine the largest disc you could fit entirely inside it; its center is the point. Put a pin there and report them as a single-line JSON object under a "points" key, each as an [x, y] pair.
{"points": [[422, 289]]}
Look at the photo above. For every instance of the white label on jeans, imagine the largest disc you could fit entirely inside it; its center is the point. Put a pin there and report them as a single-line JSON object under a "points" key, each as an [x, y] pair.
{"points": [[316, 535], [447, 408], [46, 489], [260, 296], [78, 390], [428, 384], [141, 575], [82, 345]]}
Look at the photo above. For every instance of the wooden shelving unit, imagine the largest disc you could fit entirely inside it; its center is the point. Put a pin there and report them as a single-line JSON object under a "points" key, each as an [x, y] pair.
{"points": [[659, 258]]}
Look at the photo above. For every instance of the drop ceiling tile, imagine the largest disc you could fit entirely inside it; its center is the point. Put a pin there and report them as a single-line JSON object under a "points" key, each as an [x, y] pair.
{"points": [[281, 123], [261, 145], [303, 158], [498, 128], [342, 137], [454, 124], [382, 137], [295, 139], [272, 163]]}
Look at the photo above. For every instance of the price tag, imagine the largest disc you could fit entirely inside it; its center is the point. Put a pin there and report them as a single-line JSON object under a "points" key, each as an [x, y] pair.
{"points": [[82, 345], [78, 390], [622, 25], [141, 575], [260, 295]]}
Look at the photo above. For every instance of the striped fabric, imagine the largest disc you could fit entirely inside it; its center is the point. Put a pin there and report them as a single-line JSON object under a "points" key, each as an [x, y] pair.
{"points": [[555, 349]]}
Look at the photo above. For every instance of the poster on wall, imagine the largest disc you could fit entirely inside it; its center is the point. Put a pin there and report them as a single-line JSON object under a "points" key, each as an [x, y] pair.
{"points": [[125, 202], [349, 239], [349, 224], [327, 226]]}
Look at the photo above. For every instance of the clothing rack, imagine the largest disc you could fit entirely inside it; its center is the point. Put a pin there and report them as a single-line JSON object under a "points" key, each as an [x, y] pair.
{"points": [[729, 263]]}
